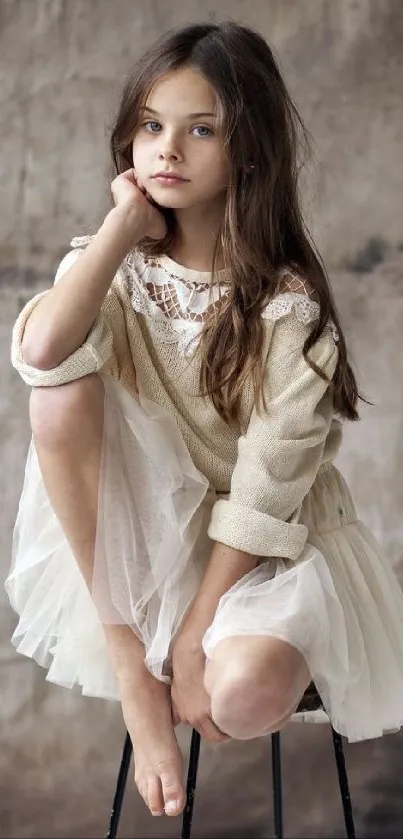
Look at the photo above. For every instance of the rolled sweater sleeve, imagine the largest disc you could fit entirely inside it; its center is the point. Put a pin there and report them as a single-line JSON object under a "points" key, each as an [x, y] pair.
{"points": [[89, 358], [281, 451]]}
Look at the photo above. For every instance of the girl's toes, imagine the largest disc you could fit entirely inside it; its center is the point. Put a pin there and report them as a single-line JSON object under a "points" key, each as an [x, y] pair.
{"points": [[172, 790], [154, 798]]}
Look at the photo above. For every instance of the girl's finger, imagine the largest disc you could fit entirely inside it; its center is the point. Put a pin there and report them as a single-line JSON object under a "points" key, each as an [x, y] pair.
{"points": [[175, 707], [134, 178], [175, 713], [211, 733], [131, 175], [138, 183]]}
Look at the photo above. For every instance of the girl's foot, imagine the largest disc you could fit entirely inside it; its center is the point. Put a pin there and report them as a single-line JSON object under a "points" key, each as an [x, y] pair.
{"points": [[158, 762]]}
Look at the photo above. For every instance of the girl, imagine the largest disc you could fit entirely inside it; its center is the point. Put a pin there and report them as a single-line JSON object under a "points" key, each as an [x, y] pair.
{"points": [[184, 542]]}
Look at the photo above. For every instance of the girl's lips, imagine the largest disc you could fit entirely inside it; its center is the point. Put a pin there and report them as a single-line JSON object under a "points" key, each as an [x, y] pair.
{"points": [[167, 179]]}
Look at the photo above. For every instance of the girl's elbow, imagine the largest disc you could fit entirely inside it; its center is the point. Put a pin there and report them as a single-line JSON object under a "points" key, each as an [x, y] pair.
{"points": [[38, 352]]}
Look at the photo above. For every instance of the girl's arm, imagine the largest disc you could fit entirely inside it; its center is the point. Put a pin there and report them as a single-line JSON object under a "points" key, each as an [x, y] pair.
{"points": [[62, 319], [278, 458], [64, 316], [227, 566], [190, 700]]}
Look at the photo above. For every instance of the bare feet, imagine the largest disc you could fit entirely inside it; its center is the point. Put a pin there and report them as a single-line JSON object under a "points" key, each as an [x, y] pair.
{"points": [[158, 762]]}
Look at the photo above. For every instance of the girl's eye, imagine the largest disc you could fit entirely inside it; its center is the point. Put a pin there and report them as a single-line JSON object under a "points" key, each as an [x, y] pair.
{"points": [[203, 131], [152, 126]]}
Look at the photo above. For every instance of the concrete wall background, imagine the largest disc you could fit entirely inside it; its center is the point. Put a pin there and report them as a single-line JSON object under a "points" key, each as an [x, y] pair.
{"points": [[62, 63]]}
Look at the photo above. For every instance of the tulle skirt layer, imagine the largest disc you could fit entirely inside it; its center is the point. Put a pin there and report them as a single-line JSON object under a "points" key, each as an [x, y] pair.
{"points": [[340, 604]]}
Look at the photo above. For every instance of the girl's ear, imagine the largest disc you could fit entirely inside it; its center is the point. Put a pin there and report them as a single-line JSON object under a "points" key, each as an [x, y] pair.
{"points": [[248, 167]]}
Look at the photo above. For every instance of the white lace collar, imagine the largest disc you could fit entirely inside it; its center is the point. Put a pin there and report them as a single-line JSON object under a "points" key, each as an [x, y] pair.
{"points": [[175, 299]]}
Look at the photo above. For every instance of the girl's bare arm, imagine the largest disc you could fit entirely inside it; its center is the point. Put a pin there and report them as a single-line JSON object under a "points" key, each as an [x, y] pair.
{"points": [[62, 319]]}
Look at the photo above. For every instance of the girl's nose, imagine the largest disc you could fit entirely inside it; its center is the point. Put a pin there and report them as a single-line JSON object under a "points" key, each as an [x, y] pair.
{"points": [[170, 148], [168, 155]]}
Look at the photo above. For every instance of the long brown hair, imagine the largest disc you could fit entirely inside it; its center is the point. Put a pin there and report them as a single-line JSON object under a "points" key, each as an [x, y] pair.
{"points": [[262, 228]]}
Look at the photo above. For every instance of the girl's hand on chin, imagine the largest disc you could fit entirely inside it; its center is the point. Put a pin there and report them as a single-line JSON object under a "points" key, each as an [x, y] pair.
{"points": [[133, 200]]}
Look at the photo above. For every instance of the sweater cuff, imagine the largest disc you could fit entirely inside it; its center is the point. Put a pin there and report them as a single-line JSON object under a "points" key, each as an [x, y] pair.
{"points": [[255, 533], [89, 358]]}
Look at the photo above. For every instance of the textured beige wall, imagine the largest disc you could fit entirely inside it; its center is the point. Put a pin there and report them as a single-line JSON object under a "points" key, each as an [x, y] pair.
{"points": [[61, 66], [63, 62]]}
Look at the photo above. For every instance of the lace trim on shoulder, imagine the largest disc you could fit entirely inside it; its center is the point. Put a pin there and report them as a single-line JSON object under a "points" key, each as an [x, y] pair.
{"points": [[306, 310], [81, 241]]}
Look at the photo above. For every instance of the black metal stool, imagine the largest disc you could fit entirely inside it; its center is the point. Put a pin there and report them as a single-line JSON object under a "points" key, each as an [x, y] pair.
{"points": [[310, 702]]}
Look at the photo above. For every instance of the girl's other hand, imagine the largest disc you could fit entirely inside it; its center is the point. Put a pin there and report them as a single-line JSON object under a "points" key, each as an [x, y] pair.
{"points": [[190, 701], [133, 200]]}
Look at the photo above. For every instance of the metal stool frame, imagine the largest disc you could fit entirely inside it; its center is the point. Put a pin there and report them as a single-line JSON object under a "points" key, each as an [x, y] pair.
{"points": [[309, 702]]}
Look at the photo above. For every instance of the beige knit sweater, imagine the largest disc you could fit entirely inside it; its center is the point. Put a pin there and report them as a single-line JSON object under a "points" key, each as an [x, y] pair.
{"points": [[146, 336]]}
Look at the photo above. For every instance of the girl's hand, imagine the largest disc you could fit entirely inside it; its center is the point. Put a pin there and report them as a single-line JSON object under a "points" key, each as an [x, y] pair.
{"points": [[190, 701], [133, 200]]}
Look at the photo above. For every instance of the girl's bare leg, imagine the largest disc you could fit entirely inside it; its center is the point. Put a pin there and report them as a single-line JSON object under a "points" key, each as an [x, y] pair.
{"points": [[67, 426]]}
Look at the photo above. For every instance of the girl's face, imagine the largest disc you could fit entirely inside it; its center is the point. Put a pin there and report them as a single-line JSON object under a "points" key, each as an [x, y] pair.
{"points": [[179, 136]]}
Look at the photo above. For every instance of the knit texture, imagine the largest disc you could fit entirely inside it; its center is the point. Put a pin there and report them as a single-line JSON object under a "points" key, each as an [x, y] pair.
{"points": [[262, 476]]}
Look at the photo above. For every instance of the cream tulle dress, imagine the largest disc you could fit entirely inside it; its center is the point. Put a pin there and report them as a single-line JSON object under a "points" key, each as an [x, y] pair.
{"points": [[175, 478]]}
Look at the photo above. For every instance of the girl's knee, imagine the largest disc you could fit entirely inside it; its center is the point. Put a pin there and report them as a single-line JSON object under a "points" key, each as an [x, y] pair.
{"points": [[58, 412], [244, 710], [248, 702]]}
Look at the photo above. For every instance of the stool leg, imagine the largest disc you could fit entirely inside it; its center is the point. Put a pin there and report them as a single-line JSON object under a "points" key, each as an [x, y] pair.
{"points": [[343, 784], [120, 789], [191, 784], [277, 787]]}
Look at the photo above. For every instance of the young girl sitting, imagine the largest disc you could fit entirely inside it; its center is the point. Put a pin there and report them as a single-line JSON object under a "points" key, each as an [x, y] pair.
{"points": [[184, 542]]}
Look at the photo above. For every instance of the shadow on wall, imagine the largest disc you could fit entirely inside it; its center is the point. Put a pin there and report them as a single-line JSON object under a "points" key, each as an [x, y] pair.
{"points": [[367, 258]]}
